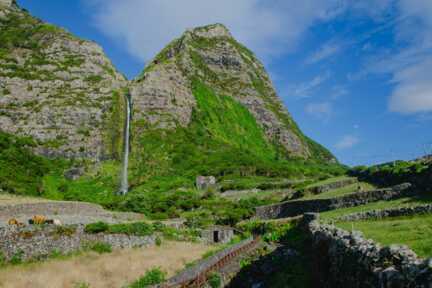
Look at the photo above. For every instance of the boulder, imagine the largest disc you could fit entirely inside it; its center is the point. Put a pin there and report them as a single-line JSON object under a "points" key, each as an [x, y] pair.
{"points": [[205, 182]]}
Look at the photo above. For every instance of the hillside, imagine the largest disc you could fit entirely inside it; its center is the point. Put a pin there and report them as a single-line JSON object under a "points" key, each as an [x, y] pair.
{"points": [[203, 106]]}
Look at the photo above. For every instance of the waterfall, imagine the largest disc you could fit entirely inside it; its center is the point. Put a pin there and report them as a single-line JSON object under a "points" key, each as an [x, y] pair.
{"points": [[124, 186]]}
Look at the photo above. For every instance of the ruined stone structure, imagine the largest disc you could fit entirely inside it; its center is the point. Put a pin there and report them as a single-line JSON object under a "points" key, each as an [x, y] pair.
{"points": [[217, 234]]}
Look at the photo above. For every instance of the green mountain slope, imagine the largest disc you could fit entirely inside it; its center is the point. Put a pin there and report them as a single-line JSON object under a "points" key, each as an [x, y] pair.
{"points": [[203, 106]]}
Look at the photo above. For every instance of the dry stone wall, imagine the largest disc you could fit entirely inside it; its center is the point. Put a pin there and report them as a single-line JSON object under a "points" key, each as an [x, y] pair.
{"points": [[395, 212], [38, 242], [344, 259], [330, 186], [294, 208]]}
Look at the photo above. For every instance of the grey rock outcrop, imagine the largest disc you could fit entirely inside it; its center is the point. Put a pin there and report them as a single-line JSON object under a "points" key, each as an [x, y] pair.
{"points": [[54, 87]]}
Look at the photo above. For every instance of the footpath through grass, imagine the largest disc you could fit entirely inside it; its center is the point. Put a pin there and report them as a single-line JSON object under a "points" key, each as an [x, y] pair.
{"points": [[414, 231]]}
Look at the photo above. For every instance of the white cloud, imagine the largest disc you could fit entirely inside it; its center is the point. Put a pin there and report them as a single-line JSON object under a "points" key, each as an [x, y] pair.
{"points": [[322, 110], [413, 92], [268, 27], [303, 90], [410, 63], [348, 141], [326, 51]]}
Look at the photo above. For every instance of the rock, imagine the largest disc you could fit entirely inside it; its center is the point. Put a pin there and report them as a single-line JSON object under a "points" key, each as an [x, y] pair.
{"points": [[205, 182], [74, 173], [57, 222]]}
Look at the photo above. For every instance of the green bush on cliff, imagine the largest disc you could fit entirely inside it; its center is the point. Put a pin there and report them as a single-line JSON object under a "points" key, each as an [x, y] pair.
{"points": [[21, 172]]}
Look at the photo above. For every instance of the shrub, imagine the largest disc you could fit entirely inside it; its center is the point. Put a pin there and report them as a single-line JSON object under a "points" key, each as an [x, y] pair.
{"points": [[100, 247], [17, 258], [82, 285], [214, 280], [2, 259], [151, 277], [158, 241], [137, 229], [97, 227]]}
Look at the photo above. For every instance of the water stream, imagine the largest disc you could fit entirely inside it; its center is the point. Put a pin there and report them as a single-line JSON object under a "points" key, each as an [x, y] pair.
{"points": [[124, 186]]}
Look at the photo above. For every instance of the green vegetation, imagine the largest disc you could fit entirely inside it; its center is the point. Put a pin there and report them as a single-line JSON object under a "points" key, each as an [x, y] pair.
{"points": [[17, 258], [353, 188], [214, 280], [137, 229], [417, 173], [21, 171], [327, 181], [99, 247], [415, 231], [296, 271], [143, 229], [402, 202], [151, 277]]}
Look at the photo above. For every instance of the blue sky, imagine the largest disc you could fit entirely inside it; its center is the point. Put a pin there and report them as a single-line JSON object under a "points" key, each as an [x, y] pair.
{"points": [[355, 75]]}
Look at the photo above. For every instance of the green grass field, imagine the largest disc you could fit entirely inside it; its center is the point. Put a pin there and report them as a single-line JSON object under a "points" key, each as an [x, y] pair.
{"points": [[328, 181], [415, 231], [402, 202], [341, 191]]}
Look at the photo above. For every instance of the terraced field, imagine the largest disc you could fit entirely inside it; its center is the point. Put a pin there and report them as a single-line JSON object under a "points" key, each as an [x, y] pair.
{"points": [[414, 231]]}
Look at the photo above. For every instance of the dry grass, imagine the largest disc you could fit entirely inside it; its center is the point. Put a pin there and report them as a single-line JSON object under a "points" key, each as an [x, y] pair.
{"points": [[105, 271]]}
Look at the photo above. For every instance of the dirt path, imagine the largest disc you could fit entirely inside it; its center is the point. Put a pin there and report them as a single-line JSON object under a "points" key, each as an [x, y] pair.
{"points": [[112, 270]]}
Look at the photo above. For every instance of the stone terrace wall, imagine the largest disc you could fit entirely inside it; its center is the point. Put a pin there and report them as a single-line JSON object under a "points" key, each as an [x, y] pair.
{"points": [[394, 212], [298, 207], [51, 208], [35, 242], [330, 186], [66, 212], [343, 259]]}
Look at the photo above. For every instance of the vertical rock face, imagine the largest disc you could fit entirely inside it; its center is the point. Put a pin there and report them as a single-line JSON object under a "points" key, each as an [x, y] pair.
{"points": [[55, 87], [163, 97]]}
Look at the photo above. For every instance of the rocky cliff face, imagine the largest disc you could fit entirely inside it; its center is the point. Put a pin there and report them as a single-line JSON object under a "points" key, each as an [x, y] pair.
{"points": [[57, 88], [163, 96], [65, 93]]}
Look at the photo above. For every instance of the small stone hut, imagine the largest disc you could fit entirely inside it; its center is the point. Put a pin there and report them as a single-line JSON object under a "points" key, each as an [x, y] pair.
{"points": [[217, 234]]}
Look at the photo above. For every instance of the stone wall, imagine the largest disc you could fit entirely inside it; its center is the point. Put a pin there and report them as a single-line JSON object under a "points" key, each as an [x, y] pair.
{"points": [[39, 242], [344, 259], [394, 212], [330, 186], [298, 207], [66, 212]]}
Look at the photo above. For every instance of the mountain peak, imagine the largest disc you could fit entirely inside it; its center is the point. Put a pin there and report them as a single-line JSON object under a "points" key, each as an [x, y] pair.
{"points": [[211, 31]]}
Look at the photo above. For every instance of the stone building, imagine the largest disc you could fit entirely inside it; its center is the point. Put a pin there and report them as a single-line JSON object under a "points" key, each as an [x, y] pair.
{"points": [[217, 234]]}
